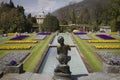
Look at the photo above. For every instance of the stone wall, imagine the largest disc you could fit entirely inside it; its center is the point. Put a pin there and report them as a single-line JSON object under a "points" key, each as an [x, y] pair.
{"points": [[111, 68], [14, 69]]}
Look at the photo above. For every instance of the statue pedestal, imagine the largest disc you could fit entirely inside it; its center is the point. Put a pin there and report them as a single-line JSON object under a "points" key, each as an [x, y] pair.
{"points": [[62, 72], [63, 77]]}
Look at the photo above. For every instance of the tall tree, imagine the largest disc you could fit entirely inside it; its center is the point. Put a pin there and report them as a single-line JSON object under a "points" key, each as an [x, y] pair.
{"points": [[50, 23], [13, 19], [11, 4], [72, 16], [85, 16], [115, 11]]}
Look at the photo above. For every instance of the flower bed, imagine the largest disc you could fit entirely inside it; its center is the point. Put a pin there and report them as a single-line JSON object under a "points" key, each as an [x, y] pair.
{"points": [[15, 47], [22, 41], [20, 37], [107, 46], [110, 58], [79, 33], [11, 34], [44, 33], [103, 41], [84, 37], [18, 57], [103, 36], [113, 33], [40, 37]]}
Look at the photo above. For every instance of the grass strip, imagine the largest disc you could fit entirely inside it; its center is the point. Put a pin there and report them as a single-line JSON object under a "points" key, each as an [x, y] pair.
{"points": [[89, 54], [93, 36], [37, 52]]}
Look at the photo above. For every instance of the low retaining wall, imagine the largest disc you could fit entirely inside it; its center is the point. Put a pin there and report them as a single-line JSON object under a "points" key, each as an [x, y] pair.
{"points": [[42, 57], [14, 69], [111, 68]]}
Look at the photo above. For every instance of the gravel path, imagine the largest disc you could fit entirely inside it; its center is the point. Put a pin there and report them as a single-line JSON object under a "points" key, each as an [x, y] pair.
{"points": [[110, 58]]}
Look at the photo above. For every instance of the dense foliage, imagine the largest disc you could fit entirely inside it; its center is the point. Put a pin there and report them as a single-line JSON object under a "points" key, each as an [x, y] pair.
{"points": [[50, 23], [13, 19], [91, 12]]}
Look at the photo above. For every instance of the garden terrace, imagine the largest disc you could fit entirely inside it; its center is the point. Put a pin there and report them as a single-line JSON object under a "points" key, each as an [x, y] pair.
{"points": [[19, 37], [36, 51], [103, 36], [17, 56], [110, 57]]}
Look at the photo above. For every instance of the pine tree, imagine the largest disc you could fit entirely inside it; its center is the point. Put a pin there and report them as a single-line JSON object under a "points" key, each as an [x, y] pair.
{"points": [[11, 4]]}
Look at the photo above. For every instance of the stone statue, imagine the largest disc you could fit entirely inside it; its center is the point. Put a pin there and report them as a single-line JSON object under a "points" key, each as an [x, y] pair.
{"points": [[62, 51], [62, 71]]}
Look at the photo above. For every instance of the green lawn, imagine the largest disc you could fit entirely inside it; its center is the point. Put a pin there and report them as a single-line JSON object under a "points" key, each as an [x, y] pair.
{"points": [[93, 36], [89, 54], [37, 51]]}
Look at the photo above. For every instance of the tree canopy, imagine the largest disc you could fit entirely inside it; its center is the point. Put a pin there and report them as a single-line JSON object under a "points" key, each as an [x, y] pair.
{"points": [[13, 19], [92, 12], [50, 23]]}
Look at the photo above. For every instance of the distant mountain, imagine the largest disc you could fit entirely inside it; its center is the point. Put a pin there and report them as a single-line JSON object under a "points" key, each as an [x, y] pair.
{"points": [[72, 11]]}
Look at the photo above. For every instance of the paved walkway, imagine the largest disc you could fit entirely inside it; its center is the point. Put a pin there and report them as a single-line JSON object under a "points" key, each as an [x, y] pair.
{"points": [[101, 76], [35, 76], [25, 76]]}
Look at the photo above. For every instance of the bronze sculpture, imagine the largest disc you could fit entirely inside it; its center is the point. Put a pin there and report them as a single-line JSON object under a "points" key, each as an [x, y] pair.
{"points": [[62, 51], [62, 71]]}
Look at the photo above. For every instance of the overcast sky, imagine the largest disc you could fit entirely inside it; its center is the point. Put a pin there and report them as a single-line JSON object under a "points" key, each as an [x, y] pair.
{"points": [[38, 6]]}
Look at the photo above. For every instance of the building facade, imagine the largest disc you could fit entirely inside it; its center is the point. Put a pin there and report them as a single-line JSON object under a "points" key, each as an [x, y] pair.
{"points": [[40, 18]]}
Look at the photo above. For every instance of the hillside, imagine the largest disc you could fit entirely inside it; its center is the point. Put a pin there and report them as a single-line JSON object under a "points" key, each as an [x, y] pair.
{"points": [[97, 12]]}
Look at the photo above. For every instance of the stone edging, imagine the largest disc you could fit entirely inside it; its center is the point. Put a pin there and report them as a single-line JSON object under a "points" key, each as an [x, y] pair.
{"points": [[42, 58], [111, 68]]}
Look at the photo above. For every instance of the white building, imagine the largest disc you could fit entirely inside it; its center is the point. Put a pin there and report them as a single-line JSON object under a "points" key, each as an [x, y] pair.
{"points": [[106, 29], [40, 18]]}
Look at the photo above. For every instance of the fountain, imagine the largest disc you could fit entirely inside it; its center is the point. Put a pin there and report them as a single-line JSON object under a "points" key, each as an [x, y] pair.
{"points": [[50, 64]]}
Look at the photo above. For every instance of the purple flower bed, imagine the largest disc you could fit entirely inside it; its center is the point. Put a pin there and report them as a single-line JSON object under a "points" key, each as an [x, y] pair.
{"points": [[12, 63], [44, 33], [103, 36], [20, 37], [79, 33]]}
